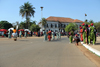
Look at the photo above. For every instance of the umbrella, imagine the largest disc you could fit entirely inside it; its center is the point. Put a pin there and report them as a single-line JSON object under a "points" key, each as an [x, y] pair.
{"points": [[26, 29], [21, 30], [3, 30], [10, 29]]}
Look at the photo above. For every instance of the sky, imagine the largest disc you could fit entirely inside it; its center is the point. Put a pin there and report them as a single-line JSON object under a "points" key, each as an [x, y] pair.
{"points": [[75, 9]]}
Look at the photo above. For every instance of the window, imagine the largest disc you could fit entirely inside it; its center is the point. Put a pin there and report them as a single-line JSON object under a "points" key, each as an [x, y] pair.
{"points": [[56, 30], [58, 25], [55, 25], [64, 25], [51, 25], [61, 25], [47, 25]]}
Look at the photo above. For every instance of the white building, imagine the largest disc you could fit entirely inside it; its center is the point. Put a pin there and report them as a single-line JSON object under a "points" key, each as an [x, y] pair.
{"points": [[58, 23]]}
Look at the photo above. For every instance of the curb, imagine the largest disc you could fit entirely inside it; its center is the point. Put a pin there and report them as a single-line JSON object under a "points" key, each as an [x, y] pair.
{"points": [[91, 49]]}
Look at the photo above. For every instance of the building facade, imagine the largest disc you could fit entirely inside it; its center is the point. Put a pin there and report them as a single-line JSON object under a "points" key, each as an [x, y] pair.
{"points": [[57, 24]]}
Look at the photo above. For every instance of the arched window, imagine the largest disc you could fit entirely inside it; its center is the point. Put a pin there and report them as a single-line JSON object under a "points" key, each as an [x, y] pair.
{"points": [[55, 25], [64, 25], [47, 25], [58, 25], [61, 25], [51, 25]]}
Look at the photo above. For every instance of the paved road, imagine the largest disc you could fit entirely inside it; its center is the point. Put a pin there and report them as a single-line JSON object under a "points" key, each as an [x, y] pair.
{"points": [[34, 52]]}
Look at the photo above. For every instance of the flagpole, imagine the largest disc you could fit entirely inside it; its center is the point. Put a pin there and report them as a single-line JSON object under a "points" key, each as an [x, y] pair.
{"points": [[85, 17]]}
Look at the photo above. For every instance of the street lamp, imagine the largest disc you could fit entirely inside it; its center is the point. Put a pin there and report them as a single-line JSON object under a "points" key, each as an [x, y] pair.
{"points": [[41, 12]]}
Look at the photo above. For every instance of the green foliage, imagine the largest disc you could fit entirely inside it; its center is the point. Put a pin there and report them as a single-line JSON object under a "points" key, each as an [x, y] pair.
{"points": [[34, 27], [97, 25], [32, 22], [5, 25], [91, 21], [43, 21], [27, 10], [70, 27], [22, 25]]}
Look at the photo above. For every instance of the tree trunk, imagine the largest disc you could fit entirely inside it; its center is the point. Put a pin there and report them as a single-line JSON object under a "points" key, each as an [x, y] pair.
{"points": [[26, 23]]}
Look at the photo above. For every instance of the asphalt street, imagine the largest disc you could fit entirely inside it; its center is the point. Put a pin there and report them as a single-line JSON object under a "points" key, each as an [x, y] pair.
{"points": [[35, 52]]}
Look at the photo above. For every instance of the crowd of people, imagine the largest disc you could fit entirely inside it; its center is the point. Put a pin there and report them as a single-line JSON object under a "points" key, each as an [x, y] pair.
{"points": [[87, 34], [50, 35]]}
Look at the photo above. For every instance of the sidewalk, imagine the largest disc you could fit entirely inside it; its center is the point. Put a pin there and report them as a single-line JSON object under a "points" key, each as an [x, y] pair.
{"points": [[94, 48]]}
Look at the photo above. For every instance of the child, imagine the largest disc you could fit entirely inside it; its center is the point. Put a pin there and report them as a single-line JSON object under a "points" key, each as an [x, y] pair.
{"points": [[77, 39]]}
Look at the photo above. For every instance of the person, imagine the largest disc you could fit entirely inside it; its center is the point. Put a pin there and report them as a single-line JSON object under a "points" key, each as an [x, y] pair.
{"points": [[49, 35], [38, 33], [25, 34], [89, 38], [28, 33], [31, 33], [57, 35], [87, 33], [95, 32], [71, 34], [20, 33], [4, 33], [14, 34], [77, 39], [92, 35], [81, 36], [53, 35], [9, 33], [84, 33], [45, 36]]}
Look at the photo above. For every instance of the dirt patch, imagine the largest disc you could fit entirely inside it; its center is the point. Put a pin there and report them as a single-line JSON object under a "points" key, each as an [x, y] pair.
{"points": [[94, 58]]}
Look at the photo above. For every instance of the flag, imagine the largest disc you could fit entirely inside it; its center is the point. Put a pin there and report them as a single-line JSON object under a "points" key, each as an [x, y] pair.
{"points": [[85, 14]]}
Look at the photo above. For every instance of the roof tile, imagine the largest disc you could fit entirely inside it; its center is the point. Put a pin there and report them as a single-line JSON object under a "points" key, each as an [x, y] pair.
{"points": [[62, 19]]}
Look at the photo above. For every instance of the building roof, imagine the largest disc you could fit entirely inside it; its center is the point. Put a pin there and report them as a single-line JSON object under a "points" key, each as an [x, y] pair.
{"points": [[39, 22], [62, 19], [76, 20]]}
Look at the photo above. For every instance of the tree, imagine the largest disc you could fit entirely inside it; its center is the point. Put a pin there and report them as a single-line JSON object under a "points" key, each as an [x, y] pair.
{"points": [[34, 27], [97, 26], [70, 27], [44, 22], [91, 21], [5, 25], [32, 22], [86, 22], [22, 25], [27, 10]]}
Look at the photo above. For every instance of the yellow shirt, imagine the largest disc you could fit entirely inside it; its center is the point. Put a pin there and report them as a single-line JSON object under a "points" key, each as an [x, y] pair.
{"points": [[14, 31]]}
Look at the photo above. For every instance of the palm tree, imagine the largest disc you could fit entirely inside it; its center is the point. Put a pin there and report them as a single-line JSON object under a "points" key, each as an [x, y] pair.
{"points": [[44, 22], [27, 10]]}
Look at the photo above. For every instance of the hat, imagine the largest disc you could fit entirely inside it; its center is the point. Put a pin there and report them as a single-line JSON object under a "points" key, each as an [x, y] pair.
{"points": [[75, 34], [83, 24], [80, 27], [88, 25], [91, 24]]}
